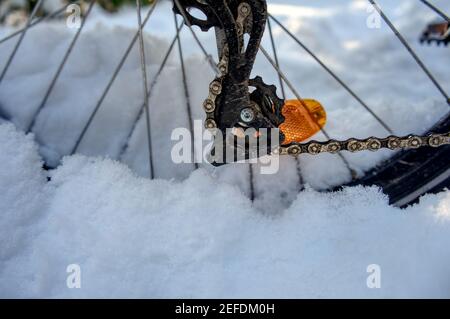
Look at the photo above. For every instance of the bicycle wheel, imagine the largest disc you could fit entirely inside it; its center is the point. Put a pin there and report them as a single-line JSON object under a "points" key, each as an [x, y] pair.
{"points": [[139, 134]]}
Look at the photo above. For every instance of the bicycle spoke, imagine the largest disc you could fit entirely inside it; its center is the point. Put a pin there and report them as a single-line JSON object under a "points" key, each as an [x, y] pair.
{"points": [[436, 9], [252, 182], [410, 50], [19, 42], [275, 56], [60, 68], [283, 94], [36, 22], [297, 95], [186, 89], [207, 56], [150, 91], [145, 85], [110, 83], [334, 75]]}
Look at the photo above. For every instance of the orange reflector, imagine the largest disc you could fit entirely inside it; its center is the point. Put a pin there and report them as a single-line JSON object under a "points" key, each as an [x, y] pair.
{"points": [[302, 120]]}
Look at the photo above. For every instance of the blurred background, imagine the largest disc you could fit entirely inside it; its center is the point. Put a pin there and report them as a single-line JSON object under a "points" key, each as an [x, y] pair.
{"points": [[14, 12]]}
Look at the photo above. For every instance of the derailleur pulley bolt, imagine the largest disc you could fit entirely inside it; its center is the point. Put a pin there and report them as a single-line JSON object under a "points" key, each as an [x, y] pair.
{"points": [[247, 115]]}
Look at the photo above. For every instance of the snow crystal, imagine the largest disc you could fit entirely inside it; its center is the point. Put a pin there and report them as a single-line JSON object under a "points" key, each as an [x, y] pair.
{"points": [[21, 179]]}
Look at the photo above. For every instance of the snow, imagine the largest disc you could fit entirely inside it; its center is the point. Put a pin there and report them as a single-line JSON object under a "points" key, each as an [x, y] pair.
{"points": [[196, 234], [133, 237]]}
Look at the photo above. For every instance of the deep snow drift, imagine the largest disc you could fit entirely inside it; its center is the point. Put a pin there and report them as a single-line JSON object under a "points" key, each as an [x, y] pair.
{"points": [[138, 238]]}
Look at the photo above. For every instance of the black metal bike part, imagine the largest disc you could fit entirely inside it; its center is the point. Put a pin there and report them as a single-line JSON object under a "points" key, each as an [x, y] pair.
{"points": [[235, 98]]}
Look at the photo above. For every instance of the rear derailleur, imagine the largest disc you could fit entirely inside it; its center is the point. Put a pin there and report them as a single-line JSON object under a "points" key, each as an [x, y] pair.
{"points": [[245, 112]]}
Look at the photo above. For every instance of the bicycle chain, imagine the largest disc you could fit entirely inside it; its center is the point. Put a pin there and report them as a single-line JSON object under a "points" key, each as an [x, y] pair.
{"points": [[244, 23], [369, 144]]}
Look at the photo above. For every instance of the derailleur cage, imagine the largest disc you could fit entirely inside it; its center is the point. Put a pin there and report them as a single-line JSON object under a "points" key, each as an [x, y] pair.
{"points": [[236, 101]]}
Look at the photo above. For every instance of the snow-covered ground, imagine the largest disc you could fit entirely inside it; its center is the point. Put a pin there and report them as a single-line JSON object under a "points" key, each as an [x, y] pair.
{"points": [[133, 237], [198, 235]]}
